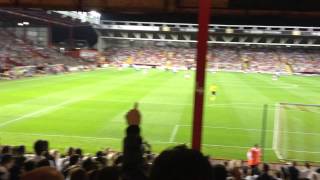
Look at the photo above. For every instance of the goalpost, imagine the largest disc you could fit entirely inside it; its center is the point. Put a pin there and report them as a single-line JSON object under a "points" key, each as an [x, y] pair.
{"points": [[296, 132]]}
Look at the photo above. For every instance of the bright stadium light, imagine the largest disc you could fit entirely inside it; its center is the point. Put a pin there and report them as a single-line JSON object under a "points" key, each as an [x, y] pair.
{"points": [[20, 24], [94, 14], [26, 23]]}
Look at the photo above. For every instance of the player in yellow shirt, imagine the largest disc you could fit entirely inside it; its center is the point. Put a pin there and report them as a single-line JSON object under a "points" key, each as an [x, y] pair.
{"points": [[213, 91]]}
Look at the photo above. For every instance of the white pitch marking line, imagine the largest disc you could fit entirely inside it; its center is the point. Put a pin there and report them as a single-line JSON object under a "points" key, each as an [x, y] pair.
{"points": [[229, 146], [300, 151], [80, 137], [228, 128], [33, 114], [300, 160], [248, 129], [174, 133], [176, 104]]}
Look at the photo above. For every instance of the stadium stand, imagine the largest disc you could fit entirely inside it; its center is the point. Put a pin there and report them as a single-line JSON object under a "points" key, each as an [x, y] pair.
{"points": [[226, 58], [16, 52], [20, 55]]}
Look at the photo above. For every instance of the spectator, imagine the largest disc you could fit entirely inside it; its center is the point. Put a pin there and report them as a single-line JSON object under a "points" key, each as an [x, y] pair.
{"points": [[56, 159], [132, 151], [278, 175], [19, 160], [293, 171], [234, 169], [100, 158], [181, 163], [93, 175], [43, 163], [6, 164], [247, 174], [219, 172], [78, 151], [78, 174], [29, 165], [19, 151], [89, 164], [65, 160], [43, 173], [39, 149], [265, 173], [132, 146], [109, 173], [307, 172], [73, 163], [4, 151]]}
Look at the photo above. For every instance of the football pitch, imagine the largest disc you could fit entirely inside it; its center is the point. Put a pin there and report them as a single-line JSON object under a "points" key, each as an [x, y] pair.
{"points": [[86, 109]]}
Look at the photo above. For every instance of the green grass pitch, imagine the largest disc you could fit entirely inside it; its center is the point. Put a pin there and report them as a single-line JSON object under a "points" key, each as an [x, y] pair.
{"points": [[86, 109]]}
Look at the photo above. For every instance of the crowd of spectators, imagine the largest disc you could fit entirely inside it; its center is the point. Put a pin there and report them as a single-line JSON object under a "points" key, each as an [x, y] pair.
{"points": [[229, 58], [137, 162], [17, 52]]}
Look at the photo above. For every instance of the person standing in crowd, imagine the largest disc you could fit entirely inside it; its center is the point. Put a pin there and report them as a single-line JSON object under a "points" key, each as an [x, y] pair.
{"points": [[293, 171], [265, 173], [6, 164]]}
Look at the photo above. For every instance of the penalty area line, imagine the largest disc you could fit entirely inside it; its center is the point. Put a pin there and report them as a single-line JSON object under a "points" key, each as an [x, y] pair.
{"points": [[251, 129], [41, 111]]}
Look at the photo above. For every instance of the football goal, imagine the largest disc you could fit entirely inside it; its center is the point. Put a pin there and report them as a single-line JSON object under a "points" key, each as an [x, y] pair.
{"points": [[296, 132]]}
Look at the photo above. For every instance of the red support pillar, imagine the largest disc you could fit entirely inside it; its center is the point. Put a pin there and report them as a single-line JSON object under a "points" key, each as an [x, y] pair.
{"points": [[202, 47]]}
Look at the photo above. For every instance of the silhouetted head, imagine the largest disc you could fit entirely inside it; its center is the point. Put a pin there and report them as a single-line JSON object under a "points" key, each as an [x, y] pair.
{"points": [[294, 163], [7, 161], [42, 173], [89, 165], [21, 150], [109, 173], [219, 172], [181, 163], [70, 151], [78, 174], [39, 147], [78, 151], [5, 150], [307, 165], [266, 168], [74, 159]]}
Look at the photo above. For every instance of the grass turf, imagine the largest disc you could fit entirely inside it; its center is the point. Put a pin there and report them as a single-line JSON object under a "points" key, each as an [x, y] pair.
{"points": [[86, 110]]}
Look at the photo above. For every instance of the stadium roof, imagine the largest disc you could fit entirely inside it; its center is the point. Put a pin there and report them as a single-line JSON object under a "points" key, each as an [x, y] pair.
{"points": [[38, 17], [308, 8]]}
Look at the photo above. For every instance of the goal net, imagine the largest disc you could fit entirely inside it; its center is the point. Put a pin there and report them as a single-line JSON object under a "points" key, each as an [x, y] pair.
{"points": [[296, 132]]}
